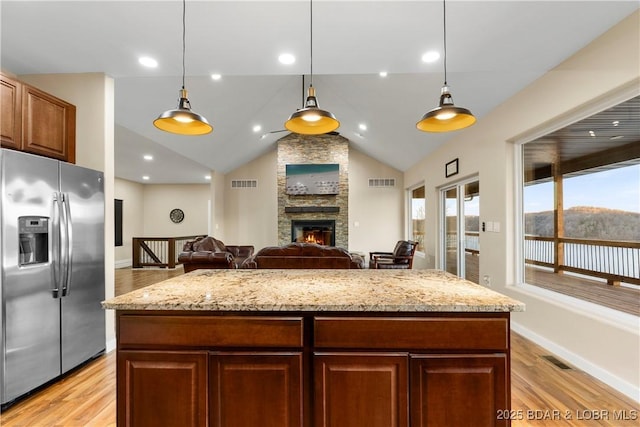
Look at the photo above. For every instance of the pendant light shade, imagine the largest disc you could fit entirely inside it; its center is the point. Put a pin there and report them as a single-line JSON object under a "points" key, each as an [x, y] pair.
{"points": [[182, 120], [310, 119], [446, 117]]}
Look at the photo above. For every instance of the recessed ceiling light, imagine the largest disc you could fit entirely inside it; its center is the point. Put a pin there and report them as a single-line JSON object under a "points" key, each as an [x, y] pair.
{"points": [[431, 56], [257, 128], [148, 157], [615, 122], [207, 177], [216, 76], [147, 61], [362, 126], [287, 59], [145, 177], [263, 136], [383, 74], [592, 133]]}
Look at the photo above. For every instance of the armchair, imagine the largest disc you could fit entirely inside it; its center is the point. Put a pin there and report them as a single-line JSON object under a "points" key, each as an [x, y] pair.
{"points": [[400, 258]]}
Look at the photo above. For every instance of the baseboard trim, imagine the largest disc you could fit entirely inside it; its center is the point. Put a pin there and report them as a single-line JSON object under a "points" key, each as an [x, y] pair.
{"points": [[111, 345], [123, 263], [579, 362]]}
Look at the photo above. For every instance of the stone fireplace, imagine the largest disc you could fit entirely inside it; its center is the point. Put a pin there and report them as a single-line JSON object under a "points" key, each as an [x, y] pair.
{"points": [[309, 208], [317, 231]]}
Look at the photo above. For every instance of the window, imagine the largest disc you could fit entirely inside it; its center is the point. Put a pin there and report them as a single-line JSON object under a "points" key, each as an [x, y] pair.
{"points": [[581, 209], [417, 216]]}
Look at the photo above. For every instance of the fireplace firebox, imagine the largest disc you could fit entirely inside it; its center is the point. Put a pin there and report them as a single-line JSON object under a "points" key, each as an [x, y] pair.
{"points": [[322, 232]]}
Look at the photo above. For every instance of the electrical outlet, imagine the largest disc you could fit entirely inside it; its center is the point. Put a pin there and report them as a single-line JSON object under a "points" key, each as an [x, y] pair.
{"points": [[486, 280]]}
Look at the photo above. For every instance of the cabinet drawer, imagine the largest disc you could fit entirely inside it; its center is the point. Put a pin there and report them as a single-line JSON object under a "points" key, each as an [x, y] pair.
{"points": [[136, 331], [411, 333]]}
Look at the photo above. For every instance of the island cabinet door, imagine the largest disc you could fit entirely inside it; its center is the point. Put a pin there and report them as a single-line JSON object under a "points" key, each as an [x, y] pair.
{"points": [[361, 389], [459, 391], [165, 388], [256, 389]]}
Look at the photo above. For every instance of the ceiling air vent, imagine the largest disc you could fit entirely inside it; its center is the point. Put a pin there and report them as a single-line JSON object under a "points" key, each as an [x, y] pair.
{"points": [[382, 182], [244, 183]]}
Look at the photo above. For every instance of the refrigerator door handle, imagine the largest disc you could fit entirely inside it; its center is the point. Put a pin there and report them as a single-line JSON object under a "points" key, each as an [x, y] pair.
{"points": [[55, 246], [68, 248]]}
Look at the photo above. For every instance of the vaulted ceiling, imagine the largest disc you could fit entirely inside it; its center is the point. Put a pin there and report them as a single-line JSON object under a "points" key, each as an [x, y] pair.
{"points": [[494, 48]]}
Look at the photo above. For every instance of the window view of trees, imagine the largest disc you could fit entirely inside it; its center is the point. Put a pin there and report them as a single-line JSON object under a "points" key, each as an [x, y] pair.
{"points": [[599, 205], [418, 209]]}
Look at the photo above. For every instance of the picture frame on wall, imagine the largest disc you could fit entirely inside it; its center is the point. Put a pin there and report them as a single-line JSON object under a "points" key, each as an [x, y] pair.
{"points": [[451, 168]]}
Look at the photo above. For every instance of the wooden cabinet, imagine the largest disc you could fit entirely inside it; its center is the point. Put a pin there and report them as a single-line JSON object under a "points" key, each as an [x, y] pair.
{"points": [[459, 390], [10, 113], [256, 389], [308, 370], [162, 388], [355, 390], [37, 122]]}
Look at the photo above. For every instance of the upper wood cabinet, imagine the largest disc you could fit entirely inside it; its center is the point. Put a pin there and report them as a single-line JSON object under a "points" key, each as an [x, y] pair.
{"points": [[10, 113], [37, 122]]}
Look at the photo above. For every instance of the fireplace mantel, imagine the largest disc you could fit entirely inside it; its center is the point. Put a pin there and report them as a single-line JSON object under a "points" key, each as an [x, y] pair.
{"points": [[312, 209]]}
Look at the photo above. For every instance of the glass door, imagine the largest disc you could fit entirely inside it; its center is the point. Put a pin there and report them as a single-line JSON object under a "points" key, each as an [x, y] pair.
{"points": [[451, 239], [461, 230]]}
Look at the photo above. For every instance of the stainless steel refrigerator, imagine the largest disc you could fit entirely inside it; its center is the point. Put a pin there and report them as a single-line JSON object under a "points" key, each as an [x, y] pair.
{"points": [[52, 278]]}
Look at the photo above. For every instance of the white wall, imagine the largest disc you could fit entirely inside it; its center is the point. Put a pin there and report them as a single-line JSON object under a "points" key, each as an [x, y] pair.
{"points": [[93, 96], [378, 212], [132, 196], [251, 214], [161, 199], [593, 341]]}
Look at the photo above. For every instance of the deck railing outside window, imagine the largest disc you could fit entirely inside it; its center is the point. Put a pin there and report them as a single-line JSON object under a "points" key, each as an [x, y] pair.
{"points": [[614, 261]]}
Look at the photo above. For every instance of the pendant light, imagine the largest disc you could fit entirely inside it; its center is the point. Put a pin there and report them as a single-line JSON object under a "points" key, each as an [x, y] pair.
{"points": [[446, 117], [311, 120], [182, 120]]}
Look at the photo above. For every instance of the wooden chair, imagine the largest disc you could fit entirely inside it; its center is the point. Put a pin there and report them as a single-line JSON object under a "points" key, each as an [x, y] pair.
{"points": [[400, 258]]}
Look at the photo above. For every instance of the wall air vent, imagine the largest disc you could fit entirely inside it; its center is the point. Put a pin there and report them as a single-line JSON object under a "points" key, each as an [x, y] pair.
{"points": [[382, 182], [244, 183]]}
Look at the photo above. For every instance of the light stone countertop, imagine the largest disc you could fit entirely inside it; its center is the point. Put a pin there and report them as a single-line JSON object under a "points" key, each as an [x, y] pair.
{"points": [[316, 290]]}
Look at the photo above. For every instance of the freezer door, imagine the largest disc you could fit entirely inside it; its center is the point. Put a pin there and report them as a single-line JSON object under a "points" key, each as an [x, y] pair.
{"points": [[83, 319], [30, 313]]}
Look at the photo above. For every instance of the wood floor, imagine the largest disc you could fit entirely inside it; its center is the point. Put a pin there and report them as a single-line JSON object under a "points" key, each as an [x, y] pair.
{"points": [[543, 395]]}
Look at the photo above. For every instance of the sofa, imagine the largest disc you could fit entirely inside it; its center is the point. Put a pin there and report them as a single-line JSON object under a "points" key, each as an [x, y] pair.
{"points": [[208, 252], [303, 255]]}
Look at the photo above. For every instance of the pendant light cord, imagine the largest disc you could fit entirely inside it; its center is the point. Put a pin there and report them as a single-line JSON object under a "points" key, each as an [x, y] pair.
{"points": [[311, 39], [444, 27], [184, 36]]}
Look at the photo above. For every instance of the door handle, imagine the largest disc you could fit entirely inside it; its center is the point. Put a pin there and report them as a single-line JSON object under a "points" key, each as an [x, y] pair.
{"points": [[55, 245], [68, 248]]}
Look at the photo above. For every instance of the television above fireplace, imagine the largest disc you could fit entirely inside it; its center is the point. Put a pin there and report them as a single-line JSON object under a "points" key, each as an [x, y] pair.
{"points": [[305, 179]]}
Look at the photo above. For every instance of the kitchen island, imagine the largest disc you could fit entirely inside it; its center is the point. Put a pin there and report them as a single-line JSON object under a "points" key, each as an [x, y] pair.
{"points": [[342, 348]]}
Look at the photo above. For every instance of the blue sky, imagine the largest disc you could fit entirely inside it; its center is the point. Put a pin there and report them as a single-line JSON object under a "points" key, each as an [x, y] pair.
{"points": [[613, 189]]}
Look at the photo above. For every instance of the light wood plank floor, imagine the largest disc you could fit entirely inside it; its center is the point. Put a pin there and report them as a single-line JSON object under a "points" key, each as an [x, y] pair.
{"points": [[88, 396]]}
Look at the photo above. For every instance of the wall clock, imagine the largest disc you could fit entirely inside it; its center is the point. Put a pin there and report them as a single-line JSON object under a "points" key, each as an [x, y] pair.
{"points": [[176, 215]]}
